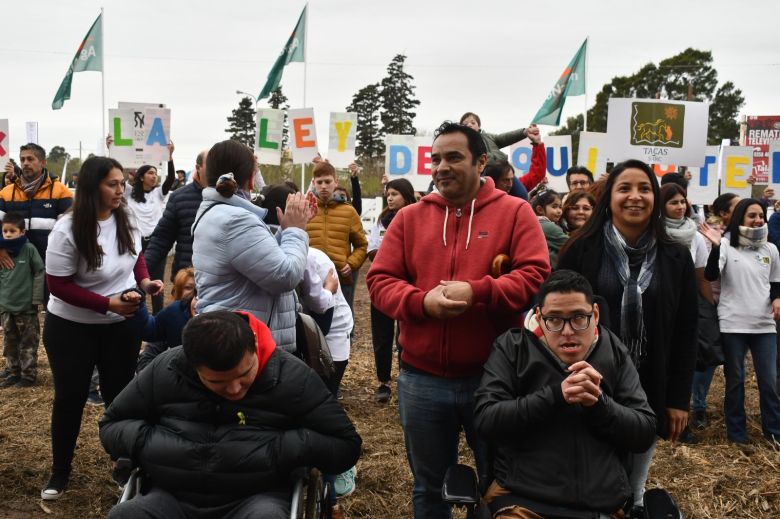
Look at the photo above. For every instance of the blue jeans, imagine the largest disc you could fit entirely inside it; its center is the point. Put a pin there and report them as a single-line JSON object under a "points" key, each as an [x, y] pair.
{"points": [[701, 387], [433, 412], [763, 348]]}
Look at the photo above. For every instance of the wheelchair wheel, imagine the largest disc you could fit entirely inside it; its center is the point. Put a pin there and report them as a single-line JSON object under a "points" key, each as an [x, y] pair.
{"points": [[316, 506]]}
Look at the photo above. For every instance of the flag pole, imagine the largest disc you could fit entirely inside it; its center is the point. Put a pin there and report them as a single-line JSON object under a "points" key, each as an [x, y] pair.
{"points": [[103, 76], [305, 46], [585, 112], [305, 66]]}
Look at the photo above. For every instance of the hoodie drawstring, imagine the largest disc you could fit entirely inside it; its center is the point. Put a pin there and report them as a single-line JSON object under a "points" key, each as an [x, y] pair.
{"points": [[471, 219], [446, 216]]}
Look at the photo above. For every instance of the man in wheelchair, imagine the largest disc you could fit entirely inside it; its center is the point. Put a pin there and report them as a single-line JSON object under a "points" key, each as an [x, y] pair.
{"points": [[561, 404], [219, 425]]}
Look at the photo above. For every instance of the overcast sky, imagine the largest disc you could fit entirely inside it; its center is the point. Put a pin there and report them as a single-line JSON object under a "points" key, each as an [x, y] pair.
{"points": [[496, 58]]}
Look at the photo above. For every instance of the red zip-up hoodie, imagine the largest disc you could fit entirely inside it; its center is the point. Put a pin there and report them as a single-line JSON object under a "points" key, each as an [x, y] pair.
{"points": [[432, 241]]}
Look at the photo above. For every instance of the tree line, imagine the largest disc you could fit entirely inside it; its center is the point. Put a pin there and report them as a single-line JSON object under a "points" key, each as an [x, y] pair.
{"points": [[387, 107]]}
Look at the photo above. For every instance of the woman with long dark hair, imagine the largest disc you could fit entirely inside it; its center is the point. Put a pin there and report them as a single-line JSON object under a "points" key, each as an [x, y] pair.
{"points": [[399, 194], [648, 283], [94, 254], [749, 271]]}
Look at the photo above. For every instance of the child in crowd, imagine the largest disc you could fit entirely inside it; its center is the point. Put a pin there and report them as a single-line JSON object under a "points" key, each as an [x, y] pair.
{"points": [[163, 331], [21, 290], [548, 208]]}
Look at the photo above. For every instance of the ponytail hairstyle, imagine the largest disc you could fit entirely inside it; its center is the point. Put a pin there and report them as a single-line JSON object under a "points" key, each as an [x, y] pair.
{"points": [[85, 211], [230, 165], [138, 193]]}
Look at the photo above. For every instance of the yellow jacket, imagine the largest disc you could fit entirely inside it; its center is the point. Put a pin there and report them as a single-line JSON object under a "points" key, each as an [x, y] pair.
{"points": [[338, 232]]}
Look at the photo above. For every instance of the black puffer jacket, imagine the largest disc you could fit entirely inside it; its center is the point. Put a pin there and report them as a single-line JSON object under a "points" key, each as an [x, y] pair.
{"points": [[558, 453], [193, 443], [174, 226]]}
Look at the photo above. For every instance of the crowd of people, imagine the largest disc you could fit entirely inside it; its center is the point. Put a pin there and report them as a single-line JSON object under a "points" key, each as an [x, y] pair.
{"points": [[549, 327]]}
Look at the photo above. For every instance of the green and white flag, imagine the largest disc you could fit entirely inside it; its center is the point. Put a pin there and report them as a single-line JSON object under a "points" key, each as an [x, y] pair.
{"points": [[89, 56], [293, 51], [571, 83]]}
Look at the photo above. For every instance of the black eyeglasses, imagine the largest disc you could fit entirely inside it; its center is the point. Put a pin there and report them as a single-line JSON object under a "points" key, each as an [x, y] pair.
{"points": [[577, 322]]}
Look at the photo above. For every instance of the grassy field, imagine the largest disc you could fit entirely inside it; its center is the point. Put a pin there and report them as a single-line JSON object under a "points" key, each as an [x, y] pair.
{"points": [[711, 479]]}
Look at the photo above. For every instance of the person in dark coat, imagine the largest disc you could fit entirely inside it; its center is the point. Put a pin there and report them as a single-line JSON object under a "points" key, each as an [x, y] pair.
{"points": [[219, 424], [561, 403], [176, 222], [649, 285]]}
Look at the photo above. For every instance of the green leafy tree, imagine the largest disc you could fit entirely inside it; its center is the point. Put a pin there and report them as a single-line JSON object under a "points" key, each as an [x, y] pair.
{"points": [[242, 123], [278, 101], [367, 103], [56, 153], [723, 113], [55, 161], [398, 99], [686, 76]]}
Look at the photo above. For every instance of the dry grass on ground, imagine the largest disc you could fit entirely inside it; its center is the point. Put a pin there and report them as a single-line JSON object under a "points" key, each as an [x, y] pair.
{"points": [[712, 479]]}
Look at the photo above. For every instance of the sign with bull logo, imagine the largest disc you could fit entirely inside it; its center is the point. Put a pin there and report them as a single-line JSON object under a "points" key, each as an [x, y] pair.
{"points": [[657, 131]]}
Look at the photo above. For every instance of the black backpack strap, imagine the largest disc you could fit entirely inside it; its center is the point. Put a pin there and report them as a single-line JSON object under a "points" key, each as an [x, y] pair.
{"points": [[209, 208]]}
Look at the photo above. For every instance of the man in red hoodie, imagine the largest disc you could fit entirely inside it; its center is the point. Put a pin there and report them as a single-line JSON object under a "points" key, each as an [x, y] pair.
{"points": [[433, 275]]}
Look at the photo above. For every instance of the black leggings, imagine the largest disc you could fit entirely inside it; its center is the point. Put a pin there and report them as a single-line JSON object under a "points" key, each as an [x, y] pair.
{"points": [[74, 349], [382, 335]]}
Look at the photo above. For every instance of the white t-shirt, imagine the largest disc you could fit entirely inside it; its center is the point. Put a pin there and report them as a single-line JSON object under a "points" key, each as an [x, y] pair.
{"points": [[699, 251], [315, 298], [148, 213], [376, 236], [745, 275], [113, 276]]}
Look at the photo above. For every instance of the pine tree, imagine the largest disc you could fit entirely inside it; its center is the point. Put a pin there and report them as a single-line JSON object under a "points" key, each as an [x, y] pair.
{"points": [[398, 99], [278, 101], [242, 123], [367, 103]]}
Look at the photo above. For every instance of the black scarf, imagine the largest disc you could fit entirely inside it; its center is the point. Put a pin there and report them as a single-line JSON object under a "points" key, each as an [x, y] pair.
{"points": [[387, 218], [13, 246]]}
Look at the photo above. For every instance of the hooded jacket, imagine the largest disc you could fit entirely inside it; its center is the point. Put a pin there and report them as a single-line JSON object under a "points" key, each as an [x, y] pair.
{"points": [[558, 453], [209, 451], [432, 241]]}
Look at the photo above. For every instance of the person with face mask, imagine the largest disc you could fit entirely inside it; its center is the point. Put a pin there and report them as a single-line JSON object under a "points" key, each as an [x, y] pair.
{"points": [[749, 272]]}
